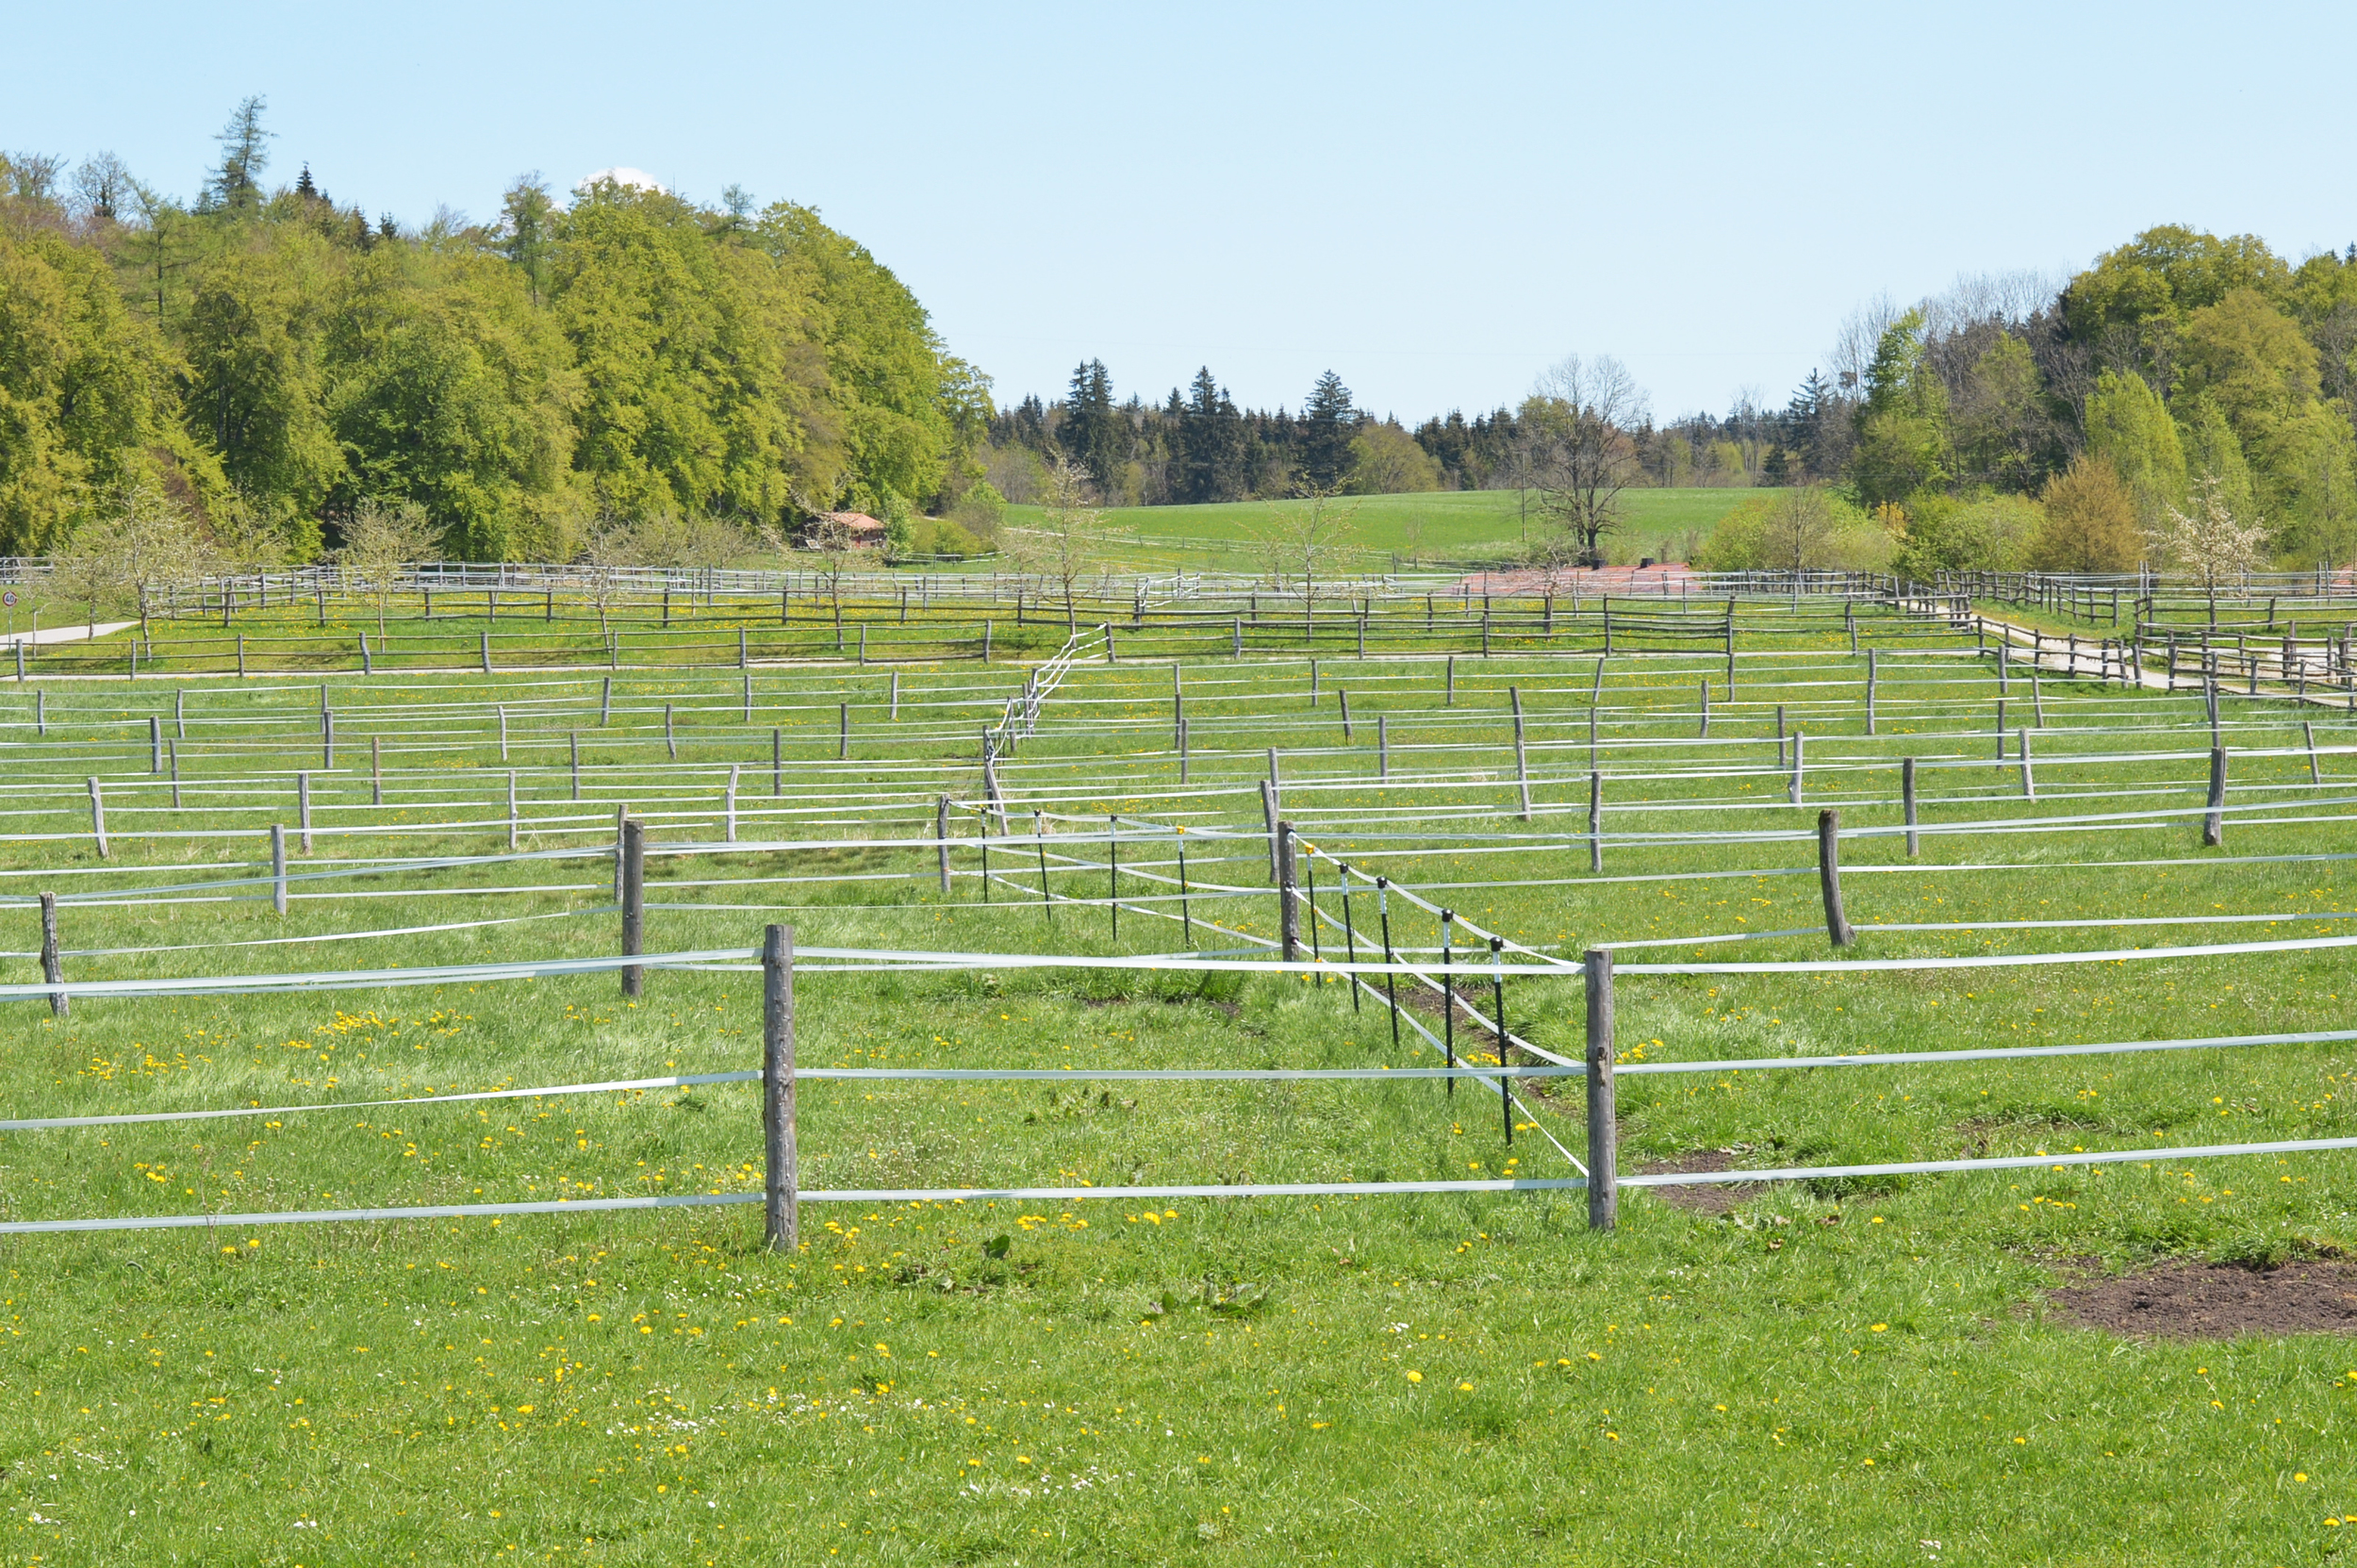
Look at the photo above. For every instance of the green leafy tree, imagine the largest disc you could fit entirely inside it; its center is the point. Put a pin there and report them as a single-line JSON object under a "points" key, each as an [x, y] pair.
{"points": [[86, 396], [1990, 532], [443, 386], [1385, 460], [251, 341], [697, 392], [2089, 522], [1902, 444], [528, 232], [2214, 455], [2129, 427], [893, 400]]}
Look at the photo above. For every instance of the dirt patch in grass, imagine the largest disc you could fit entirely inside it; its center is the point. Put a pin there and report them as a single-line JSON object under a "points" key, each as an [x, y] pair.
{"points": [[1701, 1198], [2191, 1300]]}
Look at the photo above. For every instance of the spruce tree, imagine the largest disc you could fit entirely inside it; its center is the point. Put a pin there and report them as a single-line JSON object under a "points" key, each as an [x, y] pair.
{"points": [[1328, 421]]}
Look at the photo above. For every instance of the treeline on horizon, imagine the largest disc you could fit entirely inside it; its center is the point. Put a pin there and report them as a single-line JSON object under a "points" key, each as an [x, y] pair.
{"points": [[2183, 380], [267, 362]]}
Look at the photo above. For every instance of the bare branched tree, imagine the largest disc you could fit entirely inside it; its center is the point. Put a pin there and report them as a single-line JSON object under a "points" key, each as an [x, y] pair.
{"points": [[141, 539], [1303, 545], [608, 544], [1801, 527], [1062, 547], [838, 548], [1583, 414], [382, 538]]}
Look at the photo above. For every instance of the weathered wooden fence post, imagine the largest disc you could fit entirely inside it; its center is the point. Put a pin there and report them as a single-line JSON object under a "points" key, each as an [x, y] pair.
{"points": [[634, 903], [1604, 1185], [779, 1156], [1829, 877]]}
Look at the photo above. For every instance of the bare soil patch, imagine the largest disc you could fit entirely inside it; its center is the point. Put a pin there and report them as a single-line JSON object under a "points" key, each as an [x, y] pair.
{"points": [[2190, 1300], [1704, 1198]]}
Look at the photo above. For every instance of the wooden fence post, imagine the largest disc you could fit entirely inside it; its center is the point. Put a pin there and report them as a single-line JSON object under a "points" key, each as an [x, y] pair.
{"points": [[1521, 765], [98, 817], [941, 833], [1829, 877], [731, 804], [780, 1155], [52, 971], [634, 903], [278, 867], [1595, 821], [2029, 780], [1906, 800], [1604, 1184], [514, 823], [1288, 909], [303, 809], [2214, 825]]}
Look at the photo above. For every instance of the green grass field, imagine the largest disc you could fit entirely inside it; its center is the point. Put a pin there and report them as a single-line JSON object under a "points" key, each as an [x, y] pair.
{"points": [[1443, 525], [1840, 1371]]}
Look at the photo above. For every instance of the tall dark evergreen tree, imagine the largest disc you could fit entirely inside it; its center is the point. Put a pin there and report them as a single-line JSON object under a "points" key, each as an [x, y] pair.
{"points": [[1328, 424], [1090, 435], [1208, 460]]}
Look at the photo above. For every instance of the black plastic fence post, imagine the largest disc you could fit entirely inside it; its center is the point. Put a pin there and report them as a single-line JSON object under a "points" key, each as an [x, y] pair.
{"points": [[1350, 938]]}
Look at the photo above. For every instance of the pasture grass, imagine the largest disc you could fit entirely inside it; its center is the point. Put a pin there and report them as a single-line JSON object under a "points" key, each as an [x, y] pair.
{"points": [[1439, 525], [1855, 1371]]}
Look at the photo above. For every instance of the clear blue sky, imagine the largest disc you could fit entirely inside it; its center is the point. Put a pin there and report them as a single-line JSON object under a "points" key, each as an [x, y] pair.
{"points": [[1435, 201]]}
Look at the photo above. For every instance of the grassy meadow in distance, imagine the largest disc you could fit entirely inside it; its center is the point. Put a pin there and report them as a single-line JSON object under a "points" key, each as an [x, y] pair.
{"points": [[1454, 525], [1850, 1372]]}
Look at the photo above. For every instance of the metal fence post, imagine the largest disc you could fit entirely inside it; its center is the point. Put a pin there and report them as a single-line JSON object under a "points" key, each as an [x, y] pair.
{"points": [[779, 1156], [1604, 1185]]}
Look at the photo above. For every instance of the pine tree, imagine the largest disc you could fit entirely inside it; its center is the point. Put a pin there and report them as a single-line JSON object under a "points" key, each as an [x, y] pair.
{"points": [[1090, 434], [1328, 421], [304, 189]]}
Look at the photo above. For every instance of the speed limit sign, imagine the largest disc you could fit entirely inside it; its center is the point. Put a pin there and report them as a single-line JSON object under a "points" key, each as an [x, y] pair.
{"points": [[9, 598]]}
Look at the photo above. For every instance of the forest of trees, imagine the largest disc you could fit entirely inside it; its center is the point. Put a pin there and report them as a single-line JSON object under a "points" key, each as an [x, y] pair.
{"points": [[2008, 423], [266, 360], [259, 365]]}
